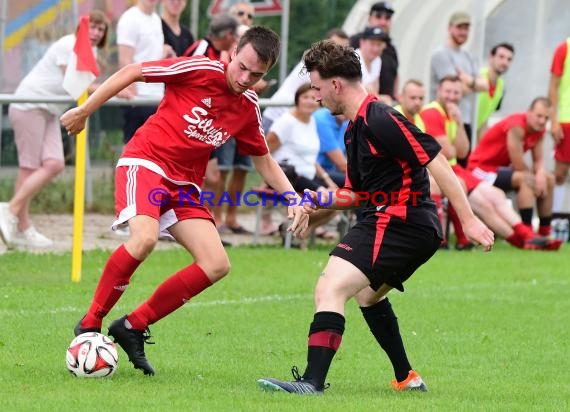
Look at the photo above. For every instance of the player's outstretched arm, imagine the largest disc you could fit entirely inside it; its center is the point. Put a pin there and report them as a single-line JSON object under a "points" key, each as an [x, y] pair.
{"points": [[474, 229], [74, 119]]}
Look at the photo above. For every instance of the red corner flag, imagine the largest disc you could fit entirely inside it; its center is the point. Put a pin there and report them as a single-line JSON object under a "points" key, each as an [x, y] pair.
{"points": [[82, 68]]}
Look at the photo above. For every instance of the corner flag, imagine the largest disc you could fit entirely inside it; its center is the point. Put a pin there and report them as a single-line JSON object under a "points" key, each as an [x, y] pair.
{"points": [[82, 68]]}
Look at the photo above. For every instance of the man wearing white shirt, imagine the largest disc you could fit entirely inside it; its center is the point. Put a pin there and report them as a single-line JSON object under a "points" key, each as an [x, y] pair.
{"points": [[372, 44], [140, 38]]}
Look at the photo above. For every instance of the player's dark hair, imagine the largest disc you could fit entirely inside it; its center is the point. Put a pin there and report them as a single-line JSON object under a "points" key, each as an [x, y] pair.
{"points": [[304, 88], [507, 46], [330, 60], [540, 99], [264, 41]]}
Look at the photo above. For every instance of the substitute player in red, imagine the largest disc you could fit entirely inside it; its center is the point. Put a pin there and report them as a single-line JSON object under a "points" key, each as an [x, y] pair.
{"points": [[161, 170], [499, 159], [559, 94], [385, 154]]}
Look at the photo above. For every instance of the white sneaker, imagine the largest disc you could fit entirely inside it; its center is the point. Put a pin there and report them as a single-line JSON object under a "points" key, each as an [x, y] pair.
{"points": [[8, 225], [123, 231], [32, 238]]}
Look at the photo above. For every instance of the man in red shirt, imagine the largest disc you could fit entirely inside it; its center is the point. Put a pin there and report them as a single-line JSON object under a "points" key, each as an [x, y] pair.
{"points": [[161, 170], [442, 119], [559, 95], [499, 159]]}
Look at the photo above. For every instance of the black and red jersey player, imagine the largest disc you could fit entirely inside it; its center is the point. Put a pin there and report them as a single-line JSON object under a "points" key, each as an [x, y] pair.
{"points": [[160, 173], [387, 157]]}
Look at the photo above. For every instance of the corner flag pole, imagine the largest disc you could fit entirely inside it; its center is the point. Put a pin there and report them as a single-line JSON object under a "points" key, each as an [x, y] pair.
{"points": [[79, 199]]}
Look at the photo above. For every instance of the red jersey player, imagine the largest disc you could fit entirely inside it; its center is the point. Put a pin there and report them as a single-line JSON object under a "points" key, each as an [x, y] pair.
{"points": [[499, 159], [161, 170]]}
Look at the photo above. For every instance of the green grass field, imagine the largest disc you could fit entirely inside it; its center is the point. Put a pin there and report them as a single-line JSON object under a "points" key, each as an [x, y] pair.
{"points": [[487, 332]]}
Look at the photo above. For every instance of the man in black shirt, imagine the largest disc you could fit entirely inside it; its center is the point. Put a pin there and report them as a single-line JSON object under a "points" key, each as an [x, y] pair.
{"points": [[176, 35], [388, 159], [381, 16]]}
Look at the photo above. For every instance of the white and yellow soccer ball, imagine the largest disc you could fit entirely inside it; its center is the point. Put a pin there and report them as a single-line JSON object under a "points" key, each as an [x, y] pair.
{"points": [[92, 355]]}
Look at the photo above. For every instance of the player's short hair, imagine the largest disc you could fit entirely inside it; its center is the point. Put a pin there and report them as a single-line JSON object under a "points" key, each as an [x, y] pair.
{"points": [[98, 17], [540, 99], [504, 45], [330, 60], [264, 41]]}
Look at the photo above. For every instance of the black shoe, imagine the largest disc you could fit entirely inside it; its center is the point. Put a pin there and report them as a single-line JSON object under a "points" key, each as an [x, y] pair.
{"points": [[132, 341], [78, 330], [298, 386]]}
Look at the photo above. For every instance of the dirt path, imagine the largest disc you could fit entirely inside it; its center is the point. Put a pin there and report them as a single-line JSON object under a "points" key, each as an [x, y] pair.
{"points": [[97, 233]]}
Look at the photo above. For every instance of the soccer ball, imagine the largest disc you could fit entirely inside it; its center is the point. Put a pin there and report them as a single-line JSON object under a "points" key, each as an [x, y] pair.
{"points": [[92, 355]]}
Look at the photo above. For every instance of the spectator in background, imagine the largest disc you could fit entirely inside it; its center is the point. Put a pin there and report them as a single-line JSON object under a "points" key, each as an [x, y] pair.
{"points": [[499, 159], [372, 43], [293, 141], [452, 60], [442, 120], [140, 38], [411, 102], [293, 81], [381, 16], [37, 134], [176, 35], [559, 94], [221, 36], [332, 151], [243, 12], [489, 101]]}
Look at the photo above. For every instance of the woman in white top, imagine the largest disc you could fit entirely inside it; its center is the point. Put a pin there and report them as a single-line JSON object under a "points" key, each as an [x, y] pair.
{"points": [[37, 134], [293, 141]]}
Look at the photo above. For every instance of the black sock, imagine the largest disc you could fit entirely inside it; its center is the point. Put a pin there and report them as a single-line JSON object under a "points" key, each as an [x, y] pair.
{"points": [[325, 335], [383, 324], [526, 216], [545, 221]]}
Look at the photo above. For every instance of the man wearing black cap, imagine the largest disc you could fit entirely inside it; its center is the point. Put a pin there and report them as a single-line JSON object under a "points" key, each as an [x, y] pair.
{"points": [[381, 16], [372, 44]]}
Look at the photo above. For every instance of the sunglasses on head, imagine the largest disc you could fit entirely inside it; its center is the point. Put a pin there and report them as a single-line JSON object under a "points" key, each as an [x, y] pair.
{"points": [[243, 13]]}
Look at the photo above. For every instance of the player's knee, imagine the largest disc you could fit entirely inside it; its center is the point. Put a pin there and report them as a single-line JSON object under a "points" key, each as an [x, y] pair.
{"points": [[142, 245], [219, 268]]}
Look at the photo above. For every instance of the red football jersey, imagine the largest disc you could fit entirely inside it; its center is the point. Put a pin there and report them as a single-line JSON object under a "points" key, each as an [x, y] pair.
{"points": [[198, 114], [491, 152]]}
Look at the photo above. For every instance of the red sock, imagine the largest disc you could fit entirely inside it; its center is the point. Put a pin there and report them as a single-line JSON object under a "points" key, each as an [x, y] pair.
{"points": [[441, 217], [544, 230], [169, 296], [461, 238], [114, 280], [516, 240], [523, 231]]}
